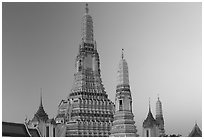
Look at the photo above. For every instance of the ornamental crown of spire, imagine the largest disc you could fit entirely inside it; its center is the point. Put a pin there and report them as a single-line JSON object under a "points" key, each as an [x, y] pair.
{"points": [[123, 76], [87, 27], [158, 100]]}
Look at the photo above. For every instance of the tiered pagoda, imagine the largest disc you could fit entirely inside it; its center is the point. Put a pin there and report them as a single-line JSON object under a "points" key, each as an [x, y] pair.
{"points": [[123, 124], [88, 112], [159, 118]]}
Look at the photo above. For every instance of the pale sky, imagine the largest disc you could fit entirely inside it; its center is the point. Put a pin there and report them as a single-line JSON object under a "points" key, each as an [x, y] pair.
{"points": [[162, 45]]}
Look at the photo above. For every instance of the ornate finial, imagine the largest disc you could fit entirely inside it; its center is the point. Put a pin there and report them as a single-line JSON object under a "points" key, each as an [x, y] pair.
{"points": [[158, 96], [87, 9], [149, 104], [40, 96], [122, 53]]}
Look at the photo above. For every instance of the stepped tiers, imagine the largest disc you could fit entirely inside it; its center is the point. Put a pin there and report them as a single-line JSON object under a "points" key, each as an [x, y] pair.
{"points": [[87, 111], [123, 124]]}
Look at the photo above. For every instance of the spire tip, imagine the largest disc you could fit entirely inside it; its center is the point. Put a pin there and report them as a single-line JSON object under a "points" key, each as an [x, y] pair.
{"points": [[40, 96], [122, 53], [87, 9], [149, 105]]}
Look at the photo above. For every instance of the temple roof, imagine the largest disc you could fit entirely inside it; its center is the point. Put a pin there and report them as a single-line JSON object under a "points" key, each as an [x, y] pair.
{"points": [[14, 130], [40, 114], [196, 132], [18, 130], [149, 121]]}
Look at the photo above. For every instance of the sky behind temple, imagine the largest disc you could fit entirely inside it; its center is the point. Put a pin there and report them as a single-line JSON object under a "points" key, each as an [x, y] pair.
{"points": [[162, 45]]}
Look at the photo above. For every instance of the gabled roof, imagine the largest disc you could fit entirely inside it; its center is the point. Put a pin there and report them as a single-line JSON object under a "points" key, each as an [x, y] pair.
{"points": [[14, 130], [196, 132]]}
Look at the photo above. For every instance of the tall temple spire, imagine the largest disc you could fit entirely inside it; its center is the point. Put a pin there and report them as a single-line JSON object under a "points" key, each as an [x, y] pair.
{"points": [[123, 124], [88, 93]]}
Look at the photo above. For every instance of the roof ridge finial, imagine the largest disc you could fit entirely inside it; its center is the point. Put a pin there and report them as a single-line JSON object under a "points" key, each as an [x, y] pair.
{"points": [[158, 96], [122, 53], [149, 105], [40, 96], [26, 119], [87, 9]]}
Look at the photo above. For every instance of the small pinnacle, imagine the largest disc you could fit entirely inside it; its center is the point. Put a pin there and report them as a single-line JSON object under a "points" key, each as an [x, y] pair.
{"points": [[40, 96], [122, 53], [87, 9], [149, 104]]}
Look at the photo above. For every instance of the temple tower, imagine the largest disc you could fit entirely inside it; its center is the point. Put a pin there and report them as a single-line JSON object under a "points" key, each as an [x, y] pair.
{"points": [[89, 112], [123, 124], [159, 117]]}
